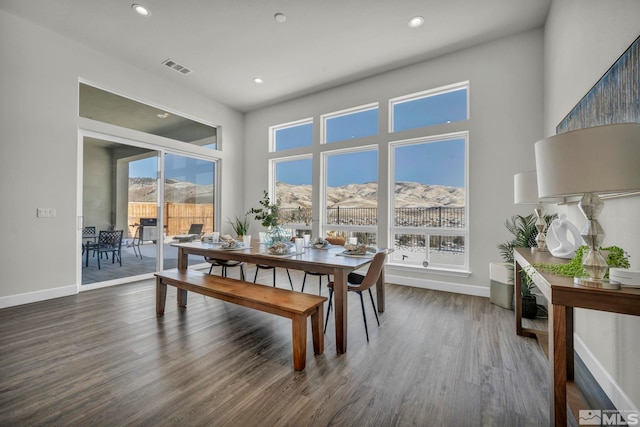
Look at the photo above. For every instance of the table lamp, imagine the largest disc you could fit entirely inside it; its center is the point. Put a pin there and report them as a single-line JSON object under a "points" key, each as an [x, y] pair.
{"points": [[589, 162], [525, 192]]}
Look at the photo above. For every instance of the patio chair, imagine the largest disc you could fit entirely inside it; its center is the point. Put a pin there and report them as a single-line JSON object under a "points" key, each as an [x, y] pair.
{"points": [[108, 241]]}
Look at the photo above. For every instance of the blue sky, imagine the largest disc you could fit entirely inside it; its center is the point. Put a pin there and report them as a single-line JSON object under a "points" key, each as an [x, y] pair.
{"points": [[176, 167], [436, 163]]}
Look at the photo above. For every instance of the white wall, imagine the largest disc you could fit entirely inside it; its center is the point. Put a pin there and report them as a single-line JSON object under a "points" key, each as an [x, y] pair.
{"points": [[39, 144], [583, 38], [506, 114]]}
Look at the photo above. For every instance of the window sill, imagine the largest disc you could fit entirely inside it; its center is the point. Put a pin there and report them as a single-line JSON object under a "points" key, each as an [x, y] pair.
{"points": [[442, 271]]}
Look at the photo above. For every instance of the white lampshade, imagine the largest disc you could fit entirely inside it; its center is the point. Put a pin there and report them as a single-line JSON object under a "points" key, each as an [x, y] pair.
{"points": [[601, 159], [525, 190]]}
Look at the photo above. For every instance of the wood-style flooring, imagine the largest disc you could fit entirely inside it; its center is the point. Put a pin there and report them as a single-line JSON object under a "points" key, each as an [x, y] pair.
{"points": [[102, 358]]}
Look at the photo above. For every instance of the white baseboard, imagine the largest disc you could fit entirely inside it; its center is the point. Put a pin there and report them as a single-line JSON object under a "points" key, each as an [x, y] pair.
{"points": [[29, 297], [613, 391], [479, 291]]}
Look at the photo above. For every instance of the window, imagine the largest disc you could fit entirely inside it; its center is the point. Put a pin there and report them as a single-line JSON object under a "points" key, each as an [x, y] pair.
{"points": [[443, 105], [293, 178], [351, 194], [292, 135], [429, 201], [349, 124]]}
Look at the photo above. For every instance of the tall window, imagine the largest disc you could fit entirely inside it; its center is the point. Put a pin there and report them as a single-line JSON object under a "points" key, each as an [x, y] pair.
{"points": [[293, 178], [351, 194], [349, 124], [292, 135], [429, 201], [428, 108]]}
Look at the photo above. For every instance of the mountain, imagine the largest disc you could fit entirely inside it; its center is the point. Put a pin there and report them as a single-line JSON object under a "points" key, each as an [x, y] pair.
{"points": [[407, 194]]}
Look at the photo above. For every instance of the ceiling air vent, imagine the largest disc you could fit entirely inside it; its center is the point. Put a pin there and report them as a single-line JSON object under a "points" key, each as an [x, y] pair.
{"points": [[177, 67]]}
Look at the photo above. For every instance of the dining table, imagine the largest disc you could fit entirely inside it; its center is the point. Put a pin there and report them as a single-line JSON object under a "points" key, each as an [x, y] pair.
{"points": [[332, 260]]}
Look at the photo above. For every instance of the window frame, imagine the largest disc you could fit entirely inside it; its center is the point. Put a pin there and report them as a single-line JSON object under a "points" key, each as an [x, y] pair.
{"points": [[324, 227], [429, 231], [426, 94], [328, 116], [273, 183], [273, 130]]}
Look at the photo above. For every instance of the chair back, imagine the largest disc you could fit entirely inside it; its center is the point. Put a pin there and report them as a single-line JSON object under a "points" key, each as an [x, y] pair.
{"points": [[110, 238], [375, 268], [195, 229], [89, 230]]}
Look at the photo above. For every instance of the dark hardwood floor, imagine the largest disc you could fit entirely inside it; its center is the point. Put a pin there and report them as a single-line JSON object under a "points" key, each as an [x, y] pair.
{"points": [[102, 358]]}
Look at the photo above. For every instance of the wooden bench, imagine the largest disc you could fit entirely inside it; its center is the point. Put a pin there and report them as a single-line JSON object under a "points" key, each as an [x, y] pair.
{"points": [[282, 302]]}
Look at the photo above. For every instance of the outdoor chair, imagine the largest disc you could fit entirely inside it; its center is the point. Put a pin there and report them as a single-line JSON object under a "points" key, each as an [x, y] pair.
{"points": [[375, 268], [108, 241]]}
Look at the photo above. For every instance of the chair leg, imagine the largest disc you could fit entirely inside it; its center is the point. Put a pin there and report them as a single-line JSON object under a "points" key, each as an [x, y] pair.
{"points": [[328, 310], [290, 282], [255, 277], [241, 272], [224, 271], [364, 316], [274, 277], [304, 279], [375, 310], [211, 269]]}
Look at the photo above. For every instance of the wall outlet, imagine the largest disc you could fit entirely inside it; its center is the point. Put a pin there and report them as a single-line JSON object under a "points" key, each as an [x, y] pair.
{"points": [[46, 213]]}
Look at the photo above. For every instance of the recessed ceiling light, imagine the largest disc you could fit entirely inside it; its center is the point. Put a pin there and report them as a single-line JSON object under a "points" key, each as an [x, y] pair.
{"points": [[280, 17], [140, 9], [163, 115], [416, 22], [257, 80]]}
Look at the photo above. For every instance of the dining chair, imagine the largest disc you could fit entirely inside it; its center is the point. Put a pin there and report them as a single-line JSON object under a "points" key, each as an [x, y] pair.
{"points": [[338, 241], [225, 263], [370, 279], [269, 267], [108, 241]]}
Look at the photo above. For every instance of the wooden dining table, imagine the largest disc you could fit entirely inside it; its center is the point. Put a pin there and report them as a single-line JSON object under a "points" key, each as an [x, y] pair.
{"points": [[323, 261]]}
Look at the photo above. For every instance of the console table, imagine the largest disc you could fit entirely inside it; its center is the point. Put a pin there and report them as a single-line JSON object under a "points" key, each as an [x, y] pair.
{"points": [[563, 295]]}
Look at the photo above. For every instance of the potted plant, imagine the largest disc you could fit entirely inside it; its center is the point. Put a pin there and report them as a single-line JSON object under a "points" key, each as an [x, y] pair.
{"points": [[240, 225], [268, 214], [524, 231]]}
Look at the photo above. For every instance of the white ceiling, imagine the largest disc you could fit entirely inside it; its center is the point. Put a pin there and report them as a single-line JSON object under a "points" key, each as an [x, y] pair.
{"points": [[323, 43]]}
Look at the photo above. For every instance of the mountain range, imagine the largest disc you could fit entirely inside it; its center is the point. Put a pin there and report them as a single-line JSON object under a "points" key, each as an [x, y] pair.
{"points": [[407, 194]]}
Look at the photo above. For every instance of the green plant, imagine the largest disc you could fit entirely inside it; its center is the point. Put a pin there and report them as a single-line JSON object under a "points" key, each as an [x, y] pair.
{"points": [[616, 257], [240, 225], [268, 213], [524, 231]]}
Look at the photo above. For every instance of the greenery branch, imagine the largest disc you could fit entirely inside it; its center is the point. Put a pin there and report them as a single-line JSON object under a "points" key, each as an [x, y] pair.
{"points": [[268, 213], [616, 257]]}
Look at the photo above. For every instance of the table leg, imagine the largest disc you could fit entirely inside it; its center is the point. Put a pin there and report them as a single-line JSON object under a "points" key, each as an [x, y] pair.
{"points": [[161, 296], [380, 291], [316, 330], [340, 308], [558, 365], [183, 259]]}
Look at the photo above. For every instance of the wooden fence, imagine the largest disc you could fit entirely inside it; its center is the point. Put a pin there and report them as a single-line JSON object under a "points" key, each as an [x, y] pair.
{"points": [[178, 216]]}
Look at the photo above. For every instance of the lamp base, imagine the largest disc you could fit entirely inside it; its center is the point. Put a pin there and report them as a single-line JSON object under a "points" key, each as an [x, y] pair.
{"points": [[594, 283]]}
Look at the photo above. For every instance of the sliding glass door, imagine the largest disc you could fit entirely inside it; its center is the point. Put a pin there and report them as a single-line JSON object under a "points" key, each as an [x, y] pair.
{"points": [[120, 192], [122, 195], [189, 195]]}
